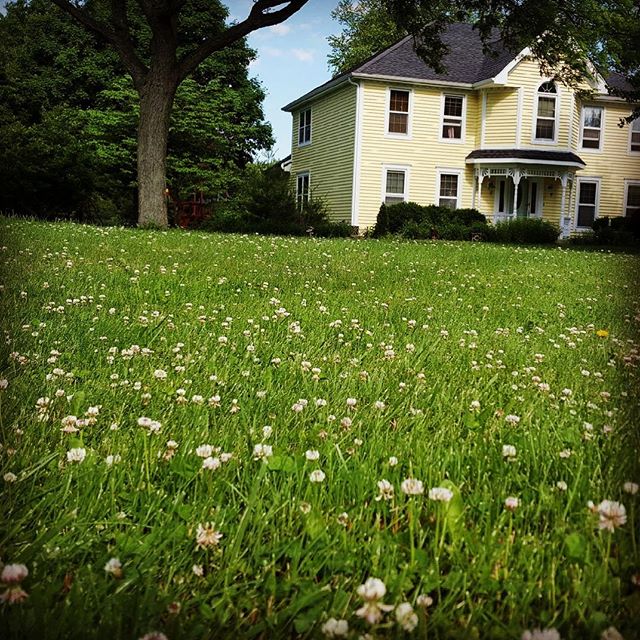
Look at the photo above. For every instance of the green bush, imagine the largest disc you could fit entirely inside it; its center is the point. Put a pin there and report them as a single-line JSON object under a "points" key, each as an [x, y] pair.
{"points": [[617, 231], [525, 231], [415, 221]]}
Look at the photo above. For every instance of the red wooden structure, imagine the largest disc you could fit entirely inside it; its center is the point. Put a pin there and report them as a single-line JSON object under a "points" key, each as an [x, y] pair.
{"points": [[187, 213]]}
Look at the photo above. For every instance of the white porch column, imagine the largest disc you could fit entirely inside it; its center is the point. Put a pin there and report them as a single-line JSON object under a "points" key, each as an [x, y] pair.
{"points": [[516, 181], [476, 183]]}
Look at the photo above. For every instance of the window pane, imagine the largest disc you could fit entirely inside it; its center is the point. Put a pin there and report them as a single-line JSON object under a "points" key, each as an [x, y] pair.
{"points": [[398, 123], [591, 138], [448, 186], [453, 106], [592, 117], [547, 87], [587, 193], [546, 107], [633, 195], [586, 215], [635, 125], [399, 101], [451, 130], [395, 182], [448, 202], [635, 141], [544, 129], [393, 200]]}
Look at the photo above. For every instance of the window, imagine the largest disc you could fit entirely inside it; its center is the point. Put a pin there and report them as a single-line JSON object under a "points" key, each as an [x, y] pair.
{"points": [[452, 117], [587, 203], [304, 128], [448, 194], [632, 200], [591, 127], [395, 186], [634, 142], [546, 114], [398, 117], [302, 189]]}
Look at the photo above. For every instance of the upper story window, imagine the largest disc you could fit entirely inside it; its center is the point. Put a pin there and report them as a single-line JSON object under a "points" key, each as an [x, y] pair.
{"points": [[634, 136], [304, 128], [398, 112], [546, 112], [592, 118], [452, 117]]}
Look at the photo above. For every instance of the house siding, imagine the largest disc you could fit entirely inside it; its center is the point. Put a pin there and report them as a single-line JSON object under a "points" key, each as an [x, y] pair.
{"points": [[500, 119], [329, 158], [422, 152]]}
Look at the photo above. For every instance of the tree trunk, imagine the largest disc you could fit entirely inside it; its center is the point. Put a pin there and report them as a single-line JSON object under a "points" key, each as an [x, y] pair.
{"points": [[156, 101]]}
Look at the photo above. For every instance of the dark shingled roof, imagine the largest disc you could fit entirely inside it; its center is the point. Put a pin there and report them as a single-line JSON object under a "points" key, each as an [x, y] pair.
{"points": [[466, 62], [618, 81], [526, 154]]}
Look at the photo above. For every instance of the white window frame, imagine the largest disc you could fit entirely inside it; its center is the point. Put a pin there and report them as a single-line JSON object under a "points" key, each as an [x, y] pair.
{"points": [[406, 169], [627, 184], [508, 196], [448, 172], [596, 213], [305, 143], [635, 122], [534, 123], [387, 112], [600, 146], [300, 196], [463, 120]]}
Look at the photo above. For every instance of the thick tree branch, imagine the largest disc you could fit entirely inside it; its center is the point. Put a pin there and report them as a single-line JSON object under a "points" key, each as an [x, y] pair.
{"points": [[260, 16], [119, 36]]}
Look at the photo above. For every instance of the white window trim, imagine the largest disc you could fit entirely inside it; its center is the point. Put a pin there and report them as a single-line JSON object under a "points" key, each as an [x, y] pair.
{"points": [[508, 196], [534, 122], [628, 183], [600, 147], [299, 175], [596, 214], [306, 143], [407, 176], [632, 153], [387, 110], [448, 172], [463, 122]]}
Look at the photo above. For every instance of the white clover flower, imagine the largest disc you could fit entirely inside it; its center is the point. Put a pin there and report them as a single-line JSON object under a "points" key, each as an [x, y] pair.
{"points": [[304, 507], [204, 451], [512, 419], [321, 402], [611, 515], [371, 592], [160, 374], [112, 459], [561, 485], [77, 454], [406, 616], [351, 402], [114, 568], [267, 430], [4, 383], [379, 405], [611, 634], [197, 570], [207, 535], [424, 601], [630, 488], [9, 477], [154, 635], [13, 573], [509, 451], [211, 463], [386, 490], [317, 476], [412, 487], [262, 452], [511, 503], [565, 453], [440, 494], [393, 461], [333, 628], [475, 405], [312, 455], [541, 634], [345, 423]]}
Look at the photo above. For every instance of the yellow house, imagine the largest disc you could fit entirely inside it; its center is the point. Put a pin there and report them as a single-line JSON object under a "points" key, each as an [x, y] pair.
{"points": [[491, 133]]}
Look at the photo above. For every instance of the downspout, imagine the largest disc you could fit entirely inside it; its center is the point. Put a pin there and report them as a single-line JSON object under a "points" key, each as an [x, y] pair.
{"points": [[355, 188]]}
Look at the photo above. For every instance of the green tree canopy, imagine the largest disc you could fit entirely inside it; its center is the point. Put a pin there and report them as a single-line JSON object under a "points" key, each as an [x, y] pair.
{"points": [[69, 114]]}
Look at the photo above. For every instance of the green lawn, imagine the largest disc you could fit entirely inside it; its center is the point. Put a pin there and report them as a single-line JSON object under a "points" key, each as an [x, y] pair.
{"points": [[493, 372]]}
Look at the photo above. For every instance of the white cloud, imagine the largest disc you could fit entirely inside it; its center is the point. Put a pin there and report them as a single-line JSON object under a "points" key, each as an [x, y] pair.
{"points": [[280, 29], [274, 52], [304, 55]]}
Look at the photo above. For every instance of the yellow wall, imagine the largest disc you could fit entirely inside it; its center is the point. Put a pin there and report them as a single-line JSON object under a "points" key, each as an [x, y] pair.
{"points": [[422, 152], [500, 118], [329, 157]]}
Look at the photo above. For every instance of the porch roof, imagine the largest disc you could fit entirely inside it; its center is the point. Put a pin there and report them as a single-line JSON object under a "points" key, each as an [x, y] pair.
{"points": [[525, 156]]}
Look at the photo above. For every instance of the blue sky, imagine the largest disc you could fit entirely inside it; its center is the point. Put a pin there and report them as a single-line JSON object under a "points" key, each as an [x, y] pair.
{"points": [[291, 60]]}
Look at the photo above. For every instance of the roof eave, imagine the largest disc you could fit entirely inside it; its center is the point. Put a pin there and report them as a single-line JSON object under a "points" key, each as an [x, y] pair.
{"points": [[408, 80], [557, 163], [318, 91]]}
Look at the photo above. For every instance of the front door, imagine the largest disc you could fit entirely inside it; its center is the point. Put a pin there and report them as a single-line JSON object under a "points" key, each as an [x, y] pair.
{"points": [[529, 202]]}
